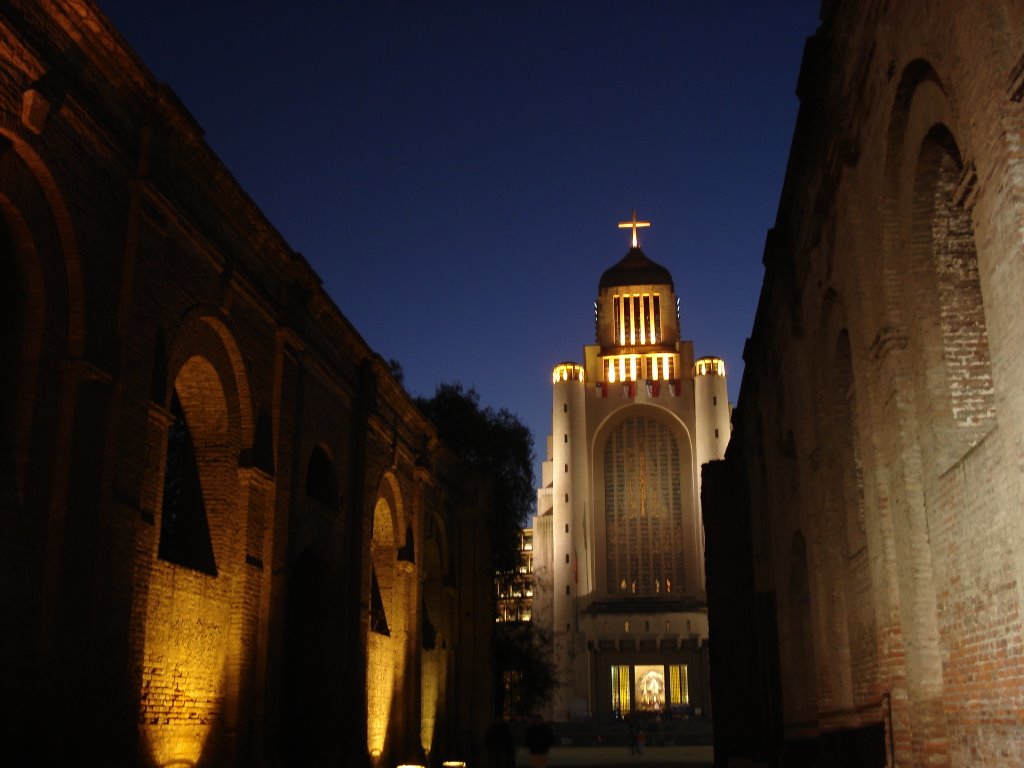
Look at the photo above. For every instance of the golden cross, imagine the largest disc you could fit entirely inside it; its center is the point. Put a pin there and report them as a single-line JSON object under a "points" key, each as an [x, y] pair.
{"points": [[634, 225]]}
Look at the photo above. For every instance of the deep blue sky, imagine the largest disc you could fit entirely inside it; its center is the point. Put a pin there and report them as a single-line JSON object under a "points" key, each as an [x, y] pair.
{"points": [[455, 170]]}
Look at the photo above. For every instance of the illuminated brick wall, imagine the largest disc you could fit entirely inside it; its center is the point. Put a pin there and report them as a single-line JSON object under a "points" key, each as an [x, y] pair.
{"points": [[195, 444], [875, 476]]}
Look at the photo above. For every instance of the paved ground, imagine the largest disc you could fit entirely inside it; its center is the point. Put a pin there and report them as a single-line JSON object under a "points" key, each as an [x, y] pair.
{"points": [[619, 757]]}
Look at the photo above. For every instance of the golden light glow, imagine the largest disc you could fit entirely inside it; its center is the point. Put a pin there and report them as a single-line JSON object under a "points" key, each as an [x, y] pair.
{"points": [[661, 367], [187, 648], [634, 367], [636, 318], [709, 365], [679, 690], [453, 764], [380, 683], [433, 675], [634, 225], [567, 372], [383, 652]]}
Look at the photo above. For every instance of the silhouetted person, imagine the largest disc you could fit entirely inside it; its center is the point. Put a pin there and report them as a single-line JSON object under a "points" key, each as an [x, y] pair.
{"points": [[501, 745], [539, 739]]}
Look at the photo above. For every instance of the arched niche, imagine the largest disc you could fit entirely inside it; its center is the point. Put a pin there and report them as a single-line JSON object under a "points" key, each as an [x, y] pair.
{"points": [[644, 506], [800, 695]]}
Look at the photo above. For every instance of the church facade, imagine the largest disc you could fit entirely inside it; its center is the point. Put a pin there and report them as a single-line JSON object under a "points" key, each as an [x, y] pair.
{"points": [[618, 540]]}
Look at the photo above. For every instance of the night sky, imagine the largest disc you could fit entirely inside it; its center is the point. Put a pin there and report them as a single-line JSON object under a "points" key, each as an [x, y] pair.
{"points": [[455, 171]]}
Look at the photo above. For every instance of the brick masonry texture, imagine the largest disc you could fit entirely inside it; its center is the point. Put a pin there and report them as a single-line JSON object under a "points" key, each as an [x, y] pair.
{"points": [[137, 276], [871, 494]]}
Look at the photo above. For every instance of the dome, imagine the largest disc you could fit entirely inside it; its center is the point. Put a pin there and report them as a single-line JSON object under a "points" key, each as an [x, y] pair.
{"points": [[635, 269]]}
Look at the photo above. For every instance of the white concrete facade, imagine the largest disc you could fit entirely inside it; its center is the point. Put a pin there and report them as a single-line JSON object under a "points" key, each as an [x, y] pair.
{"points": [[618, 539]]}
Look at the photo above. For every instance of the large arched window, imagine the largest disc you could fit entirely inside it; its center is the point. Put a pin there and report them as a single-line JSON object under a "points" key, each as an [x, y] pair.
{"points": [[184, 528], [957, 377], [643, 509]]}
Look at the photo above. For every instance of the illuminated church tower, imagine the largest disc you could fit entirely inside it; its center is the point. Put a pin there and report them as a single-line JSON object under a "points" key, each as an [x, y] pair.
{"points": [[618, 540]]}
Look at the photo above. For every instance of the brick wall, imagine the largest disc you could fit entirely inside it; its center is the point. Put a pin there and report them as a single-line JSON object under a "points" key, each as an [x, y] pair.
{"points": [[144, 293], [880, 413]]}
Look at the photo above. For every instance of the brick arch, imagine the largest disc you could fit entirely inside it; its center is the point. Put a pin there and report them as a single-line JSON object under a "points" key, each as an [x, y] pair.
{"points": [[40, 290], [188, 624], [190, 635], [206, 332], [800, 696], [838, 419], [42, 200], [925, 234], [954, 385], [920, 102], [841, 562], [389, 587], [199, 394]]}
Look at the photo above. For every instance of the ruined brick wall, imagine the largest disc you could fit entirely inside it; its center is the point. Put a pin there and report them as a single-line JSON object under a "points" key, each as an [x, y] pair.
{"points": [[880, 423], [208, 479]]}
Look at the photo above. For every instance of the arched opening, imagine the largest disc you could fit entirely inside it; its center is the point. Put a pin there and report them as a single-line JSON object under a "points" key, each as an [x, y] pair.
{"points": [[23, 318], [800, 695], [184, 527], [189, 629], [955, 380], [381, 645], [199, 476]]}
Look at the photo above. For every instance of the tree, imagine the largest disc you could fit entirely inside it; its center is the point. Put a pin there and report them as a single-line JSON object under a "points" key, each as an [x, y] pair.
{"points": [[525, 676], [497, 445]]}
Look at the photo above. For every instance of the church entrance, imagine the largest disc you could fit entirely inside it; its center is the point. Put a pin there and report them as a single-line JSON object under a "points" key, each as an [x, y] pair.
{"points": [[657, 689]]}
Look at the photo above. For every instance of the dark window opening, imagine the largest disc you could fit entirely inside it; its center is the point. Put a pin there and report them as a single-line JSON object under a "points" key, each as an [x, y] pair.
{"points": [[408, 552], [184, 528], [321, 484], [378, 619]]}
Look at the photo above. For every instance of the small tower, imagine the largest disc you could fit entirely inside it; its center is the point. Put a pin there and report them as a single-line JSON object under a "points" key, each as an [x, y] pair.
{"points": [[711, 399]]}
